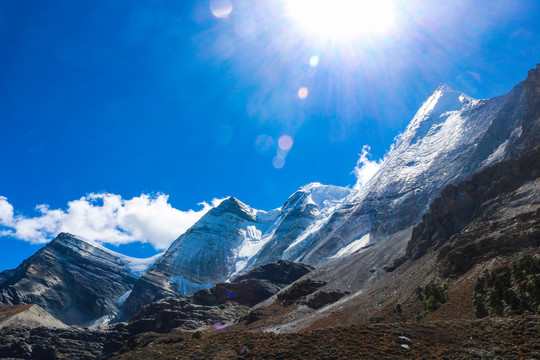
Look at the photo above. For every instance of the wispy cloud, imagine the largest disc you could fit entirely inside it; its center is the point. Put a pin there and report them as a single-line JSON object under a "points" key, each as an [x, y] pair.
{"points": [[365, 169], [104, 218]]}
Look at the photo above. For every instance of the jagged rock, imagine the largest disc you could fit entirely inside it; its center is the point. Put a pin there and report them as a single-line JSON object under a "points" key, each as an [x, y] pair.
{"points": [[208, 253], [255, 286], [279, 272], [297, 291], [247, 292], [48, 343], [167, 314], [151, 287], [531, 123], [481, 198], [252, 316], [321, 298]]}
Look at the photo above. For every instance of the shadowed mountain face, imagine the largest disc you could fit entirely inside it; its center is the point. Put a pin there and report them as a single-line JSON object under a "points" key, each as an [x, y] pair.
{"points": [[71, 279], [495, 212]]}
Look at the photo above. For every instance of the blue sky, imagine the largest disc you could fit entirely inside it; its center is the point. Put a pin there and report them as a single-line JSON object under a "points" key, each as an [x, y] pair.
{"points": [[134, 99]]}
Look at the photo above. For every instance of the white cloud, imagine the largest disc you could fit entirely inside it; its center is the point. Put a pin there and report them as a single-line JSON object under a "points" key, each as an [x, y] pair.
{"points": [[6, 212], [365, 169], [105, 218]]}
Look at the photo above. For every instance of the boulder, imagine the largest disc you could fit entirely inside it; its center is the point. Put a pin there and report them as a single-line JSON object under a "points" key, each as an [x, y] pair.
{"points": [[321, 298], [298, 291]]}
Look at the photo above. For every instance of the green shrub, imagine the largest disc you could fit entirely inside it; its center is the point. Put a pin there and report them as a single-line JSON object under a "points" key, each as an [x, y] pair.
{"points": [[432, 295], [509, 291]]}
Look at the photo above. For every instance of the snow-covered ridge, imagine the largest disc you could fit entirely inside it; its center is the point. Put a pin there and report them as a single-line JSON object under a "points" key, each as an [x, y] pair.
{"points": [[137, 267], [451, 137]]}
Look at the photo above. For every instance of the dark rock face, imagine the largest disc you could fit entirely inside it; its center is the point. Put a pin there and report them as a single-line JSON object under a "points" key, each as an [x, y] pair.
{"points": [[298, 291], [245, 292], [255, 286], [321, 298], [151, 287], [531, 123], [48, 344], [279, 272], [69, 278], [5, 275], [459, 205], [167, 314], [484, 216]]}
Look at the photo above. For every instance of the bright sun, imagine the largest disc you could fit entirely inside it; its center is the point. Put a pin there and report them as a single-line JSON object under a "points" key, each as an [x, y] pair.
{"points": [[342, 19]]}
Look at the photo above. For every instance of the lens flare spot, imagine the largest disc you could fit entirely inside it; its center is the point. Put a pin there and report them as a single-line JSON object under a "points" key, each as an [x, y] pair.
{"points": [[314, 61], [221, 8], [279, 161], [303, 92], [264, 143], [285, 142], [219, 326]]}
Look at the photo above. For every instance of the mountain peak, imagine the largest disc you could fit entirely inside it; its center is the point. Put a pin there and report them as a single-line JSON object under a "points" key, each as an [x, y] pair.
{"points": [[443, 100], [234, 206], [318, 193]]}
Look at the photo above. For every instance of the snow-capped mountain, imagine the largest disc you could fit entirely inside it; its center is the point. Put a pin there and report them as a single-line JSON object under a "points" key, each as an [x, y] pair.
{"points": [[74, 279], [452, 137], [231, 238]]}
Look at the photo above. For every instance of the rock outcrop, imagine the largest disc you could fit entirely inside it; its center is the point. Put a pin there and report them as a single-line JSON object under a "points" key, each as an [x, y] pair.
{"points": [[255, 286], [501, 201], [45, 343], [181, 312], [30, 316]]}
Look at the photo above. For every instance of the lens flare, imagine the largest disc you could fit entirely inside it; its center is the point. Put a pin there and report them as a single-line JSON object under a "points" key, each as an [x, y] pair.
{"points": [[221, 8], [278, 161], [303, 92], [314, 61], [285, 142]]}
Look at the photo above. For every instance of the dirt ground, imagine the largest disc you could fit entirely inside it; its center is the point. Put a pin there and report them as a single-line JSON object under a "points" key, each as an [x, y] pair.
{"points": [[497, 338]]}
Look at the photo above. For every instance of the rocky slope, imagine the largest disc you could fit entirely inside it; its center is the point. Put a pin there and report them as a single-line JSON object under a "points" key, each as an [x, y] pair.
{"points": [[27, 316], [72, 279]]}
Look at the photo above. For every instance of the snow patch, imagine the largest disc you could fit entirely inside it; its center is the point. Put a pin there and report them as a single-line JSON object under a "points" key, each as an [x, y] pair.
{"points": [[122, 299], [497, 155], [100, 323], [352, 247]]}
